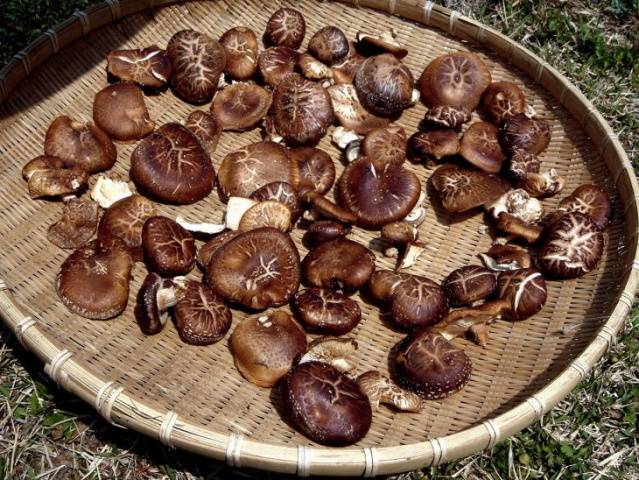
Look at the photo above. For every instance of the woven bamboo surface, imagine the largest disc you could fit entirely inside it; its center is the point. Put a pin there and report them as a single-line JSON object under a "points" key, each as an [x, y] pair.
{"points": [[193, 397]]}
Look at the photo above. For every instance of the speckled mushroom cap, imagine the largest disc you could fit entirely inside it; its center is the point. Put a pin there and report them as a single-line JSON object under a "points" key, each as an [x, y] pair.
{"points": [[329, 45], [169, 249], [258, 269], [93, 281], [172, 166], [524, 133], [120, 111], [525, 290], [432, 145], [326, 312], [317, 170], [502, 100], [378, 193], [468, 284], [149, 67], [350, 112], [198, 61], [206, 128], [302, 110], [206, 251], [414, 301], [427, 364], [461, 189], [283, 193], [275, 63], [258, 164], [385, 145], [285, 27], [241, 106], [325, 405], [590, 200], [572, 246], [240, 45]]}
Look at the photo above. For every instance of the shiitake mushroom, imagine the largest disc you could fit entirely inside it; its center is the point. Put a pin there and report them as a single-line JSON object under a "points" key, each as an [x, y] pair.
{"points": [[275, 63], [169, 249], [286, 27], [326, 312], [120, 111], [329, 45], [241, 106], [240, 46]]}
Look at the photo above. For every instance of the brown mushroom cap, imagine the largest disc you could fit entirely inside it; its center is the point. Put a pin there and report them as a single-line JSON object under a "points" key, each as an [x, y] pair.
{"points": [[381, 389], [339, 265], [301, 110], [432, 145], [446, 116], [207, 251], [148, 67], [480, 146], [269, 213], [275, 63], [400, 232], [523, 133], [80, 145], [378, 194], [201, 317], [93, 281], [240, 46], [206, 128], [572, 246], [461, 189], [329, 45], [506, 257], [590, 200], [344, 72], [312, 68], [285, 27], [317, 170], [349, 111], [155, 297], [385, 145], [47, 176], [169, 249], [258, 269], [241, 106], [198, 61], [502, 100], [384, 85], [326, 312], [125, 219], [521, 163], [324, 231], [466, 285], [456, 79], [266, 345], [525, 292], [280, 192], [325, 405], [244, 171], [121, 112], [76, 226], [172, 166], [427, 364], [414, 301], [371, 45]]}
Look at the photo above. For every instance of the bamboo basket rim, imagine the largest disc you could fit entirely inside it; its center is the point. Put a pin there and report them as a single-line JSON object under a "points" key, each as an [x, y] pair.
{"points": [[121, 409]]}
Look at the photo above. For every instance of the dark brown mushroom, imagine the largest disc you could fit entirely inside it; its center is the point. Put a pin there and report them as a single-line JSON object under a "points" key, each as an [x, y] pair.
{"points": [[349, 111], [501, 101], [317, 170], [77, 224], [207, 251], [168, 248], [432, 146], [402, 236], [275, 63], [371, 45], [285, 27], [521, 132], [149, 67], [322, 207], [240, 46], [324, 231], [345, 71], [121, 112], [329, 45], [590, 200], [93, 281], [198, 62], [517, 228], [155, 297], [269, 213], [325, 405], [381, 389], [280, 192], [466, 285], [500, 258], [480, 146], [446, 116], [47, 176], [258, 269], [172, 166], [326, 312], [521, 164], [385, 145], [265, 347], [206, 128], [241, 106]]}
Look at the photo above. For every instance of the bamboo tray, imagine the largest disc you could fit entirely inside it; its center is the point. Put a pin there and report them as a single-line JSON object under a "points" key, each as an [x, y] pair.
{"points": [[192, 397]]}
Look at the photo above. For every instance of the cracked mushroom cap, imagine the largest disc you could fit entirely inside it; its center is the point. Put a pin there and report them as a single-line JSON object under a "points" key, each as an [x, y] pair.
{"points": [[385, 145], [329, 45], [125, 219], [93, 281], [275, 63], [286, 27], [521, 163], [349, 111], [244, 171], [461, 189], [241, 106], [148, 67], [79, 145], [384, 85], [317, 170], [240, 46], [77, 224], [468, 284], [322, 231], [501, 101], [457, 79], [201, 317], [169, 249], [121, 112], [258, 269], [155, 297], [414, 301], [572, 246], [338, 265], [301, 110], [480, 146], [590, 200], [430, 366], [523, 133], [206, 128], [432, 145], [325, 405], [445, 116], [326, 312], [265, 346], [283, 193], [198, 62], [269, 213], [207, 251], [525, 292], [47, 176], [172, 166], [378, 193]]}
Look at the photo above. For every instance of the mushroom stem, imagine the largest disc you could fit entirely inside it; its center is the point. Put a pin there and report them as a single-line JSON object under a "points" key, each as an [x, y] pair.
{"points": [[510, 224], [410, 255], [167, 298], [348, 141], [418, 214], [460, 321]]}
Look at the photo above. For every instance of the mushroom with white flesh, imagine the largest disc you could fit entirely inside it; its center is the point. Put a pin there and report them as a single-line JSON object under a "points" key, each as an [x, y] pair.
{"points": [[501, 101], [521, 164], [572, 246], [432, 146], [79, 145], [480, 147], [385, 42], [285, 27], [266, 346], [198, 62], [241, 106], [544, 184], [206, 128], [469, 284], [283, 193], [349, 111], [337, 352], [169, 249], [155, 297], [257, 269], [48, 176], [275, 63], [148, 67], [93, 281], [77, 224], [329, 45], [381, 389], [313, 69], [120, 111], [107, 191], [502, 257], [340, 264], [322, 231], [517, 214], [413, 301], [406, 246], [326, 312], [322, 207], [590, 200], [240, 46], [316, 169], [348, 141], [386, 145]]}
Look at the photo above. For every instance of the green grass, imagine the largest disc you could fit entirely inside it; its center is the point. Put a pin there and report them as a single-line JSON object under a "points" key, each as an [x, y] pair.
{"points": [[592, 434]]}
